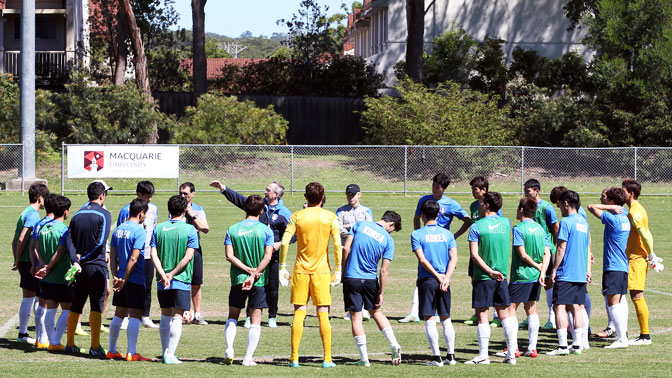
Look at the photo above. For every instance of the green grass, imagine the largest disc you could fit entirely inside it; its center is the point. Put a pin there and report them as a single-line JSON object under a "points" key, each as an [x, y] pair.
{"points": [[202, 347]]}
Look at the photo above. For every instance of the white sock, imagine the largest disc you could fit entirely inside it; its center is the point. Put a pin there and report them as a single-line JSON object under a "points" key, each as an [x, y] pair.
{"points": [[49, 323], [510, 327], [586, 326], [132, 333], [449, 335], [620, 314], [175, 334], [360, 342], [483, 339], [389, 335], [533, 330], [61, 326], [578, 343], [432, 336], [115, 327], [610, 317], [495, 315], [42, 335], [549, 303], [164, 331], [24, 313], [230, 336], [253, 336], [415, 304], [562, 337]]}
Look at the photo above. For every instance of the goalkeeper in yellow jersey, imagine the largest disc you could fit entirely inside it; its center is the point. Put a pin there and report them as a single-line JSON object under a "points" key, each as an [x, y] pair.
{"points": [[311, 275]]}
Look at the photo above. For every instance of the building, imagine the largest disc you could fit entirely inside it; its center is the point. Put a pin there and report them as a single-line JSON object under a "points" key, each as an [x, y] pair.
{"points": [[61, 36], [377, 32]]}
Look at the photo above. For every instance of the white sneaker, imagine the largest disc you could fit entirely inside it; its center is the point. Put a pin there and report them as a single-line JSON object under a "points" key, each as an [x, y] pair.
{"points": [[396, 355], [363, 363], [249, 362], [198, 319], [434, 363], [450, 359], [409, 319], [510, 361], [616, 345], [558, 352], [124, 323], [640, 341], [347, 316], [148, 323], [365, 315], [248, 322], [478, 361], [574, 350]]}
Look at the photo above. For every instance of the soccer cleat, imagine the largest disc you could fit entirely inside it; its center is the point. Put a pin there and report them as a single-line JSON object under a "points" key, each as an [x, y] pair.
{"points": [[228, 357], [293, 364], [56, 348], [136, 357], [471, 321], [39, 345], [505, 352], [410, 319], [124, 323], [79, 331], [558, 352], [606, 333], [72, 349], [171, 360], [24, 338], [450, 359], [198, 319], [523, 324], [272, 323], [347, 316], [148, 323], [496, 323], [365, 315], [327, 364], [531, 353], [363, 363], [396, 355], [640, 341], [114, 356], [100, 352], [478, 361], [434, 363], [574, 350], [247, 322], [249, 362], [616, 345], [548, 326], [104, 329], [510, 361]]}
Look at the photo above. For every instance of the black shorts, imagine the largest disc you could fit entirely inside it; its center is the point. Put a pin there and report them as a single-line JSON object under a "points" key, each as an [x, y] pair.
{"points": [[488, 293], [197, 276], [28, 281], [57, 292], [360, 293], [565, 293], [132, 295], [431, 299], [470, 269], [90, 283], [614, 282], [174, 298], [524, 292], [255, 297]]}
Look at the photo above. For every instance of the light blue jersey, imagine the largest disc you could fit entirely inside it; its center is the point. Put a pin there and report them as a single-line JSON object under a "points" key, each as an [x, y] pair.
{"points": [[127, 237], [435, 243], [575, 231], [582, 213], [616, 232], [371, 243], [448, 208]]}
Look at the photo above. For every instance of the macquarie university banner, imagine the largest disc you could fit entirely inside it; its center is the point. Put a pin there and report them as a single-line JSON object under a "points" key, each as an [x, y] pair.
{"points": [[123, 161]]}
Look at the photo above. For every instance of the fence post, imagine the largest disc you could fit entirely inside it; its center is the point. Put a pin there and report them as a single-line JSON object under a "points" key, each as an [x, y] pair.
{"points": [[635, 163], [179, 152], [405, 170], [62, 168], [522, 170], [291, 167], [23, 169]]}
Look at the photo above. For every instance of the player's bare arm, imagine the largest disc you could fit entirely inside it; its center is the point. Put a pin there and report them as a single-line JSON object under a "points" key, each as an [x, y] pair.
{"points": [[451, 268], [546, 261], [425, 264], [384, 270], [416, 222], [466, 223], [230, 257], [346, 248], [119, 284], [200, 224], [526, 258], [559, 255]]}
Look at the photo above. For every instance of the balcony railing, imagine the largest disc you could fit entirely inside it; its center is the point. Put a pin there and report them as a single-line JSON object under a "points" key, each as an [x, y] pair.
{"points": [[49, 65]]}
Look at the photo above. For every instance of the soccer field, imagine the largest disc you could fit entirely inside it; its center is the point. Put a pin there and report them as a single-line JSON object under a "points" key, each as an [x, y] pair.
{"points": [[202, 347]]}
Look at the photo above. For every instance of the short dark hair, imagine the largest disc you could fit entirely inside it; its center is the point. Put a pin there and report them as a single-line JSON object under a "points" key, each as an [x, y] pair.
{"points": [[617, 195], [253, 205], [555, 194], [632, 186], [138, 205], [392, 216], [176, 205], [144, 188], [189, 185], [529, 207], [441, 179], [430, 209], [480, 182], [60, 205], [49, 202], [314, 193], [572, 198], [36, 191], [532, 183], [493, 200], [95, 190]]}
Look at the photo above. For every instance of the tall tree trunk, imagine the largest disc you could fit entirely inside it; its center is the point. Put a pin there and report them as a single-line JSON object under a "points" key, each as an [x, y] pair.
{"points": [[141, 75], [415, 21], [122, 49], [200, 65]]}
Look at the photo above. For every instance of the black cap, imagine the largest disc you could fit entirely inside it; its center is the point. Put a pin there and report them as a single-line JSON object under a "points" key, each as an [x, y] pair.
{"points": [[352, 189]]}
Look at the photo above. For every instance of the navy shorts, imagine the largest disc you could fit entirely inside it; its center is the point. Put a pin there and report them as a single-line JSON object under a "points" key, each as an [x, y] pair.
{"points": [[28, 281], [470, 268], [565, 293], [197, 276], [523, 292], [360, 293], [255, 297], [57, 292], [174, 298], [90, 283], [431, 300], [132, 295], [614, 282], [488, 293]]}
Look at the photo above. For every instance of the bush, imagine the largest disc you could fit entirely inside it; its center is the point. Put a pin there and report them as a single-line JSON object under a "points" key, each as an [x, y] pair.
{"points": [[225, 120], [452, 58]]}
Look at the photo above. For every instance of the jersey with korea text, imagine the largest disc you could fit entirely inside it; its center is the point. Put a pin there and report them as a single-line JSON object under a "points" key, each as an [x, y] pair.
{"points": [[546, 217], [151, 219], [171, 240], [448, 208], [435, 243], [29, 218], [125, 238], [532, 237], [249, 238], [575, 231], [370, 244], [493, 235], [51, 235], [616, 232]]}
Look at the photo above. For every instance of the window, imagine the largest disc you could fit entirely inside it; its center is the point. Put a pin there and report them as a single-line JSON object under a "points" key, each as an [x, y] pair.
{"points": [[17, 28], [46, 28]]}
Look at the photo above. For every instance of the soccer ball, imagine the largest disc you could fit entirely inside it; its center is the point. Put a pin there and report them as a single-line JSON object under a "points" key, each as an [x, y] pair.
{"points": [[188, 317]]}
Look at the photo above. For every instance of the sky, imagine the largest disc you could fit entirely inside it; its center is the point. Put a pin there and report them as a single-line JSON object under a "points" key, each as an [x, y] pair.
{"points": [[232, 18]]}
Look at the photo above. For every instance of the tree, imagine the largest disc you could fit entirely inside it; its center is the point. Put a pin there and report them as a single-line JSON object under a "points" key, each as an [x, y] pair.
{"points": [[311, 35], [198, 48], [452, 57], [415, 22]]}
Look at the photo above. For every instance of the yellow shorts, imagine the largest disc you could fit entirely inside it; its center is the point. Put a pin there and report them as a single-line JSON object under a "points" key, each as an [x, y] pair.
{"points": [[637, 274], [316, 286]]}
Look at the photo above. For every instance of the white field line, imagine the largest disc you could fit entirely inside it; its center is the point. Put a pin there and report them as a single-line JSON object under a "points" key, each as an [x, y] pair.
{"points": [[9, 325], [658, 292]]}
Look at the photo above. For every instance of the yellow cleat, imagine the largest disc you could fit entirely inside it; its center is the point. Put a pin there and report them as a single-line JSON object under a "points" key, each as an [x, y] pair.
{"points": [[56, 348], [41, 346]]}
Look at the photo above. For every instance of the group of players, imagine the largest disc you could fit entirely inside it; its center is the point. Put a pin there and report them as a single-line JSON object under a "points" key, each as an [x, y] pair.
{"points": [[546, 253]]}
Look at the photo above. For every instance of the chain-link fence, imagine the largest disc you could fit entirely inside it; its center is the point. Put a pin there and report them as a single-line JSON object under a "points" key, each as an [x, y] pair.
{"points": [[10, 166], [409, 169]]}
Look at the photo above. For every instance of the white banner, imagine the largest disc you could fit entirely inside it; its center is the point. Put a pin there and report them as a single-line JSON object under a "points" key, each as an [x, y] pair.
{"points": [[123, 161]]}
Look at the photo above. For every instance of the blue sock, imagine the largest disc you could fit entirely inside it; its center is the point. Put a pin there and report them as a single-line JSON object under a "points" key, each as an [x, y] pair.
{"points": [[588, 305]]}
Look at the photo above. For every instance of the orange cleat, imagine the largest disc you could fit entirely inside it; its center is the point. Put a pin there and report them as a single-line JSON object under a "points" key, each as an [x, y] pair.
{"points": [[136, 357], [114, 356]]}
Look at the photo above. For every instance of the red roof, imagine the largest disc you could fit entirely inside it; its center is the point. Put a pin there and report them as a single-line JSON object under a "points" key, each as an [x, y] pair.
{"points": [[215, 65]]}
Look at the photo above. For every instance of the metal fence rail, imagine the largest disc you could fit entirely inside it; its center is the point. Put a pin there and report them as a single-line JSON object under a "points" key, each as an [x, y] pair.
{"points": [[409, 169]]}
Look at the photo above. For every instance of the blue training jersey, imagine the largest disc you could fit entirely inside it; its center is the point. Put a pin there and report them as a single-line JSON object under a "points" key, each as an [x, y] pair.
{"points": [[582, 213], [36, 231], [448, 208], [371, 243], [435, 242], [616, 232], [127, 237], [575, 231]]}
